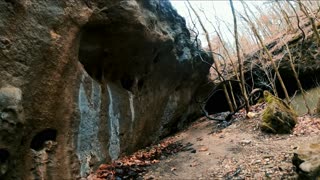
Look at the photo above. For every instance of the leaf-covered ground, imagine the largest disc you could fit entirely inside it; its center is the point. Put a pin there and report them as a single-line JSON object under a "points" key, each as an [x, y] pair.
{"points": [[206, 150]]}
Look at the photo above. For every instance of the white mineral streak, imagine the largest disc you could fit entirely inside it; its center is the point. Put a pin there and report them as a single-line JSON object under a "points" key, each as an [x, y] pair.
{"points": [[131, 106], [88, 145], [132, 110], [114, 142]]}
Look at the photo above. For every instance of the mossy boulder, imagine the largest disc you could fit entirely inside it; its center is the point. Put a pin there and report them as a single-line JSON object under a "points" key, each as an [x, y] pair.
{"points": [[278, 117], [307, 161]]}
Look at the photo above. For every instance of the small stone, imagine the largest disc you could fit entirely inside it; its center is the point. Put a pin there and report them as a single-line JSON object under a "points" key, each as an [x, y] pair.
{"points": [[162, 157], [251, 115], [119, 171], [287, 155], [193, 151], [246, 141], [150, 177], [269, 171]]}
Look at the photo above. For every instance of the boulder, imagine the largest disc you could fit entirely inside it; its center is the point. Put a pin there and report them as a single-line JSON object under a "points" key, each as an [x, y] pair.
{"points": [[317, 110], [307, 161], [277, 117], [91, 81]]}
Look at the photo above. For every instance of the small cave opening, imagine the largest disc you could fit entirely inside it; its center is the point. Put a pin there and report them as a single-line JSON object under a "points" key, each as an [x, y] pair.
{"points": [[308, 80], [140, 84], [257, 79], [217, 102], [156, 58], [40, 138], [127, 82], [4, 155]]}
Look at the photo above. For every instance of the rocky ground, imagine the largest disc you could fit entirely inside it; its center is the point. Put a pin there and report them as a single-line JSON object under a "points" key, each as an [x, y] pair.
{"points": [[208, 150]]}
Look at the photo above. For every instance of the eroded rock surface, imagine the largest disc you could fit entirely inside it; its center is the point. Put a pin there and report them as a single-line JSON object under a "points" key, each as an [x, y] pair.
{"points": [[97, 79], [306, 160], [12, 122], [317, 110]]}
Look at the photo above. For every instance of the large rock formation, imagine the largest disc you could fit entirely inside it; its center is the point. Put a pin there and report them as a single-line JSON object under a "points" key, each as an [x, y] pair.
{"points": [[305, 55], [83, 82]]}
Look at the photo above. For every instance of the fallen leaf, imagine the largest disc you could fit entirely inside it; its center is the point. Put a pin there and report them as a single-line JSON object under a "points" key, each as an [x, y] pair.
{"points": [[202, 149]]}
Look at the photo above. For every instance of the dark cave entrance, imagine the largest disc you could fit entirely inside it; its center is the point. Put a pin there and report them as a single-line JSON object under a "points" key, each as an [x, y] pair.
{"points": [[4, 156], [40, 138], [309, 79], [217, 103]]}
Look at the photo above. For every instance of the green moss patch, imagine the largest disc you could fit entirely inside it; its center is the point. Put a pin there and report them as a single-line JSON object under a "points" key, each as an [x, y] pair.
{"points": [[278, 117]]}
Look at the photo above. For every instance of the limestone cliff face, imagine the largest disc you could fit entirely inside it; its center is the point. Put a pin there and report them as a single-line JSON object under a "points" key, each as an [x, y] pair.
{"points": [[90, 81]]}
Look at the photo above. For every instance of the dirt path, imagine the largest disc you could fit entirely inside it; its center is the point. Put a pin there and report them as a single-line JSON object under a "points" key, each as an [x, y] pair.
{"points": [[206, 150], [240, 151]]}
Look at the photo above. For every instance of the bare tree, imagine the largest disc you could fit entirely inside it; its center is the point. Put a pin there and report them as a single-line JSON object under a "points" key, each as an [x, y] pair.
{"points": [[284, 15], [254, 30], [295, 74], [217, 66], [308, 14], [240, 61]]}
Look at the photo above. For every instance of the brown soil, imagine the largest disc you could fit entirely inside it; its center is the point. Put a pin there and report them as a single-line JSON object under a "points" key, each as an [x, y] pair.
{"points": [[209, 150], [240, 151]]}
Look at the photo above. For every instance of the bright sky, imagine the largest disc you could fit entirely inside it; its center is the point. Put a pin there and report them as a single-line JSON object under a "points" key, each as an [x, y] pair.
{"points": [[219, 8]]}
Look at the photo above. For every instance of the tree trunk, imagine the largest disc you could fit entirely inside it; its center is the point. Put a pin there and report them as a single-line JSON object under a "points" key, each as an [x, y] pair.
{"points": [[312, 21], [217, 67], [240, 61], [253, 28], [297, 78]]}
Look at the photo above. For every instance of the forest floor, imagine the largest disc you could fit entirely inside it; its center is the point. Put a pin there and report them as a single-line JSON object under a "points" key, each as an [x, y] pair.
{"points": [[207, 150]]}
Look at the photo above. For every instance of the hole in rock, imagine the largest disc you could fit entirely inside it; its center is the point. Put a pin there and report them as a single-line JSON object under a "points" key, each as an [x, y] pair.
{"points": [[156, 59], [4, 155], [217, 103], [127, 82], [39, 139], [140, 84]]}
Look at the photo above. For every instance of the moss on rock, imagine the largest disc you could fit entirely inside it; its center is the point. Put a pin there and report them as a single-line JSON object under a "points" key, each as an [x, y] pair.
{"points": [[278, 117]]}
